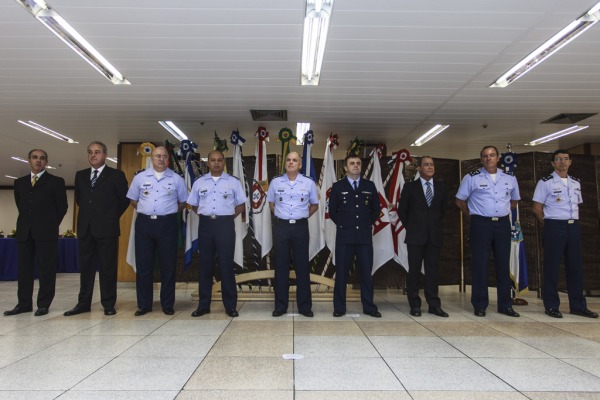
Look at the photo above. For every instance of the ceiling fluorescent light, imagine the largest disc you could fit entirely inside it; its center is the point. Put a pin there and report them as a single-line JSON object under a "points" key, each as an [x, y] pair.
{"points": [[301, 129], [47, 131], [61, 28], [113, 159], [556, 135], [430, 134], [316, 24], [551, 46], [173, 130], [11, 177]]}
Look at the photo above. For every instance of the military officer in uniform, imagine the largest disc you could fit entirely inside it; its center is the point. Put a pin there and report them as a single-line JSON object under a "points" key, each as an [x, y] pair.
{"points": [[157, 194], [217, 198], [556, 205], [486, 196], [293, 198], [354, 206]]}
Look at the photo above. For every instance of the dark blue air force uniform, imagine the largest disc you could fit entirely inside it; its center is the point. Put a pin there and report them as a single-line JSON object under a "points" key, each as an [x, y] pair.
{"points": [[354, 212]]}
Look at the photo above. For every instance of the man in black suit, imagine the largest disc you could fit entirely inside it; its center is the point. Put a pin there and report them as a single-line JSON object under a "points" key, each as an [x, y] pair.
{"points": [[100, 193], [41, 200], [421, 209], [354, 206]]}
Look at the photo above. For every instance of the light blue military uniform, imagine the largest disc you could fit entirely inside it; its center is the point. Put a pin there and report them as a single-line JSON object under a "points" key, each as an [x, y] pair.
{"points": [[561, 236], [216, 201], [489, 207], [291, 239], [156, 232]]}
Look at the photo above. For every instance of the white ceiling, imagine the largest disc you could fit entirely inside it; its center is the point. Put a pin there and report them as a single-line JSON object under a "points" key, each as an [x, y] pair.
{"points": [[389, 74]]}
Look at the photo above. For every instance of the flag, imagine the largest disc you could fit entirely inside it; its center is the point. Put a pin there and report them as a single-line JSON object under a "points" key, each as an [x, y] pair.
{"points": [[261, 213], [396, 185], [315, 229], [327, 179], [145, 150], [518, 260], [191, 220], [285, 136], [383, 249], [241, 226]]}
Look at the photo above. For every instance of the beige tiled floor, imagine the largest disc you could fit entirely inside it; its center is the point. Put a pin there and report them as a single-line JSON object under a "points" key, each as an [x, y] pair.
{"points": [[215, 357]]}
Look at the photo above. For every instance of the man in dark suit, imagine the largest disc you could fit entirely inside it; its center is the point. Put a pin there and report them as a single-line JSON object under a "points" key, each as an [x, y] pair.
{"points": [[101, 194], [421, 209], [354, 206], [41, 200]]}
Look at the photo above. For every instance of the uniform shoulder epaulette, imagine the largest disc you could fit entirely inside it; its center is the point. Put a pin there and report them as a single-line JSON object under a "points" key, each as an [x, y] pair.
{"points": [[547, 178], [476, 172], [137, 172], [575, 179], [509, 173]]}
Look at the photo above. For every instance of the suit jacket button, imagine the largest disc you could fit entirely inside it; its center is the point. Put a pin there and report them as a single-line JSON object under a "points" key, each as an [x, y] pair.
{"points": [[357, 227]]}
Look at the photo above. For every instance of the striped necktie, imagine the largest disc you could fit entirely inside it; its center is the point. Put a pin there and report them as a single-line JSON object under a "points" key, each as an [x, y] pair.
{"points": [[34, 180], [428, 194], [94, 178]]}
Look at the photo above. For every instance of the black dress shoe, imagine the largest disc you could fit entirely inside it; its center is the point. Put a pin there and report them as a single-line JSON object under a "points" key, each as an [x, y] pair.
{"points": [[278, 313], [142, 311], [374, 314], [338, 314], [479, 312], [168, 311], [76, 310], [415, 312], [110, 311], [199, 313], [232, 313], [41, 311], [510, 312], [585, 313], [554, 313], [439, 312], [18, 310], [308, 314]]}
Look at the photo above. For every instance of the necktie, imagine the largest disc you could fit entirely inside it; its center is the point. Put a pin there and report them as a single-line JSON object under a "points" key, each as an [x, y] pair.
{"points": [[94, 178], [355, 185], [34, 180], [428, 194]]}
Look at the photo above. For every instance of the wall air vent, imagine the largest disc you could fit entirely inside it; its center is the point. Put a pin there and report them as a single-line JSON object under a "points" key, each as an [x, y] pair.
{"points": [[268, 115], [568, 118]]}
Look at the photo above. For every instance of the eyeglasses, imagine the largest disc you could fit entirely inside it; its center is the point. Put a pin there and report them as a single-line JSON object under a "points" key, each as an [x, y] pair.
{"points": [[159, 156], [559, 159]]}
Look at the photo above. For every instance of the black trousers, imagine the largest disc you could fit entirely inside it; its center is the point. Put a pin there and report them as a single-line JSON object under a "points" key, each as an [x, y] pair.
{"points": [[155, 237], [344, 253], [291, 247], [101, 254], [562, 239], [216, 237], [486, 235], [426, 255], [46, 254]]}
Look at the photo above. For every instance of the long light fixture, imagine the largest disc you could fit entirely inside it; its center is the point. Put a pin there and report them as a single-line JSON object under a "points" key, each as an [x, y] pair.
{"points": [[301, 129], [430, 134], [27, 162], [316, 25], [11, 177], [44, 13], [551, 46], [173, 130], [47, 131], [556, 135], [113, 159]]}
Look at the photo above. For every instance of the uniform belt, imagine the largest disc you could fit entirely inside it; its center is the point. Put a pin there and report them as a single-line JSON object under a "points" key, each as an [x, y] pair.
{"points": [[157, 216], [291, 221], [561, 221], [494, 219], [213, 216]]}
